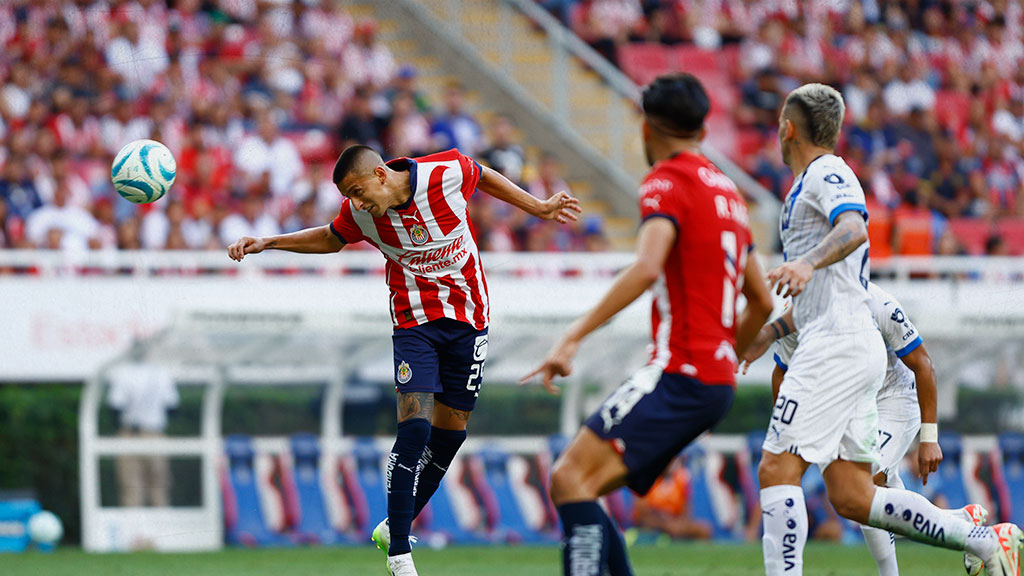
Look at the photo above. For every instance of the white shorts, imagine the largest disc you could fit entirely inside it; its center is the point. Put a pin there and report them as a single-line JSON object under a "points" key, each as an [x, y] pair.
{"points": [[899, 420], [826, 407]]}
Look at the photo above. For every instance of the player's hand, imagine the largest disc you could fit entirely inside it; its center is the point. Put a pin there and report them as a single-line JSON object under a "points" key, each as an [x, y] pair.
{"points": [[557, 363], [757, 349], [928, 457], [561, 207], [793, 276], [246, 245]]}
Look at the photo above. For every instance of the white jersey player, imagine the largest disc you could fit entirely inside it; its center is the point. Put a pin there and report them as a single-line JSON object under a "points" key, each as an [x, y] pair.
{"points": [[906, 404], [826, 411]]}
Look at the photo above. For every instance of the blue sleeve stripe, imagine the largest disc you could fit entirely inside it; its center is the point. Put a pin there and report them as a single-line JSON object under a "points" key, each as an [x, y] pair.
{"points": [[847, 208], [780, 363], [338, 234], [909, 347], [660, 215]]}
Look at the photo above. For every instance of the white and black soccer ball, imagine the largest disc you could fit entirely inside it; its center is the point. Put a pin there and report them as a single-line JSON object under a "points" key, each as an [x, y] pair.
{"points": [[143, 171]]}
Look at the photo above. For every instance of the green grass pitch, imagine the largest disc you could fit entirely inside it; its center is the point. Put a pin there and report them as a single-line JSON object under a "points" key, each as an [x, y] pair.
{"points": [[684, 559]]}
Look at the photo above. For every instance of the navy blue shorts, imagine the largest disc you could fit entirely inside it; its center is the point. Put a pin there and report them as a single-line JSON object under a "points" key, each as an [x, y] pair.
{"points": [[445, 357], [652, 416]]}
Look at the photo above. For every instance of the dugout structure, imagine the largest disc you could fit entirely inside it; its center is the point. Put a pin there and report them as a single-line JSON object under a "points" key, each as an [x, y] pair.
{"points": [[213, 352]]}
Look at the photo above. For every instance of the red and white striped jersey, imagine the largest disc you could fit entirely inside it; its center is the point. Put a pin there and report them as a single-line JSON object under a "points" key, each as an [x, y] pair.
{"points": [[433, 265]]}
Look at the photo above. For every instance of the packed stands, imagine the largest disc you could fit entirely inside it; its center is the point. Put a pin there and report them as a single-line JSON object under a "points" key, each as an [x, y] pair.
{"points": [[254, 98]]}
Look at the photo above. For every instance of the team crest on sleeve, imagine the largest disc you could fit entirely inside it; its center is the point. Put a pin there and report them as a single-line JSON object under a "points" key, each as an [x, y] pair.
{"points": [[418, 234], [404, 373]]}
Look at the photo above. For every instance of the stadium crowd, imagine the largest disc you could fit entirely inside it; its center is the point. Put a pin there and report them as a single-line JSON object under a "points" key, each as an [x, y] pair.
{"points": [[934, 93], [254, 97]]}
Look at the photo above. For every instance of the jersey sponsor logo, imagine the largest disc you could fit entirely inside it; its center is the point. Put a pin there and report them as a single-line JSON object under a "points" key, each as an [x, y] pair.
{"points": [[835, 179], [480, 348], [715, 179], [898, 316], [789, 546], [404, 373], [418, 234], [908, 335], [653, 202], [655, 185], [435, 259]]}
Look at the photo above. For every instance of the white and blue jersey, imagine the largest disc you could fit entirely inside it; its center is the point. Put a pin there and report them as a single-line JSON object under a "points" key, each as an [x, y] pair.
{"points": [[835, 301], [901, 338]]}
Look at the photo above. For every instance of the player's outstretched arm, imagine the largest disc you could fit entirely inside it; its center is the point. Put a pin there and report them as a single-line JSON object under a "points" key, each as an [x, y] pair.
{"points": [[319, 240], [930, 454], [848, 232], [779, 328], [759, 305], [561, 207], [652, 248]]}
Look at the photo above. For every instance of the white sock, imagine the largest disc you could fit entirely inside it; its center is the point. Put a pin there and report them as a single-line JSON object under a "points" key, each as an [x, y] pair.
{"points": [[882, 545], [784, 515], [909, 514]]}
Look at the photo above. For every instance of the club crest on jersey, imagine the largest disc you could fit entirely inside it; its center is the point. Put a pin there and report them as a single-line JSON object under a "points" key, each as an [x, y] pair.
{"points": [[418, 234], [404, 373]]}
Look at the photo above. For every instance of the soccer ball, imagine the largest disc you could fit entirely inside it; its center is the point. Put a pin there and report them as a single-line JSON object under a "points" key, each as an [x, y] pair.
{"points": [[143, 171], [45, 528]]}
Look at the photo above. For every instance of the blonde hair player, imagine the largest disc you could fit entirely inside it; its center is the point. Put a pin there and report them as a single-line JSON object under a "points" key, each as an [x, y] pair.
{"points": [[826, 411]]}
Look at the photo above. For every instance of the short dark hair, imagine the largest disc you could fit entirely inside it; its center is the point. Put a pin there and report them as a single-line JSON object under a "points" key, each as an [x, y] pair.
{"points": [[350, 160], [677, 103]]}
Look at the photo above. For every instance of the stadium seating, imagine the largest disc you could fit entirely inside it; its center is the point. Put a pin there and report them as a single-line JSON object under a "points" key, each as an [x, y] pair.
{"points": [[950, 470], [913, 233], [312, 523], [1008, 477], [644, 62], [971, 233], [704, 479], [452, 512], [368, 483], [1012, 231], [244, 519], [509, 523]]}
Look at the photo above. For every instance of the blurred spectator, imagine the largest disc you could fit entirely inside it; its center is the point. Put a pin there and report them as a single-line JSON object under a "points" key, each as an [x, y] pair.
{"points": [[995, 245], [268, 152], [137, 58], [360, 125], [761, 101], [454, 127], [549, 179], [504, 154], [141, 395], [666, 507], [160, 226], [606, 24], [367, 61], [17, 189], [408, 132], [305, 216], [405, 83], [79, 231], [252, 220]]}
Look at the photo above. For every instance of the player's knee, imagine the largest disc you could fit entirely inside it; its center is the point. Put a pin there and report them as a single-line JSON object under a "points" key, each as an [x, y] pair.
{"points": [[850, 504], [568, 482], [773, 471]]}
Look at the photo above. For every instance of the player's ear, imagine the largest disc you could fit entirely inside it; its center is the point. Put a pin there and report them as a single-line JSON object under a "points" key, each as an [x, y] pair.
{"points": [[703, 133], [646, 129], [381, 174]]}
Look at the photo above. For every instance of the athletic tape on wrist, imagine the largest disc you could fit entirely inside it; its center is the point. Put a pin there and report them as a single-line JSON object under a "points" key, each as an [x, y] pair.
{"points": [[929, 432]]}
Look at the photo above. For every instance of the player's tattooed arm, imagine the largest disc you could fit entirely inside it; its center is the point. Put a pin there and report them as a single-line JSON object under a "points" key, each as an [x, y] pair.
{"points": [[849, 232], [415, 405], [782, 326]]}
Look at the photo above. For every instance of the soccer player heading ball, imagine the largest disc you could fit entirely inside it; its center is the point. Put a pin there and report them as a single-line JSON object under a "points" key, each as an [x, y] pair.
{"points": [[414, 211], [694, 252]]}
